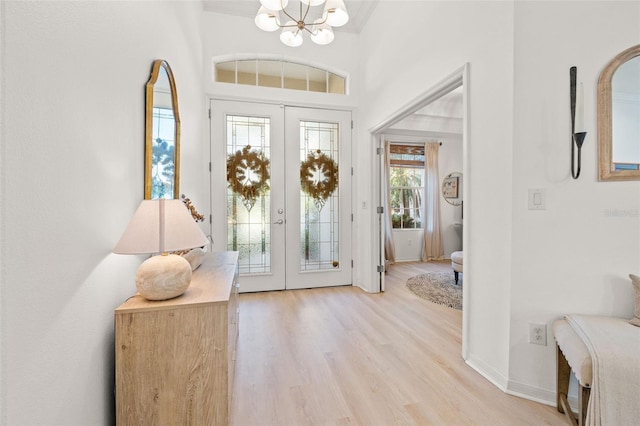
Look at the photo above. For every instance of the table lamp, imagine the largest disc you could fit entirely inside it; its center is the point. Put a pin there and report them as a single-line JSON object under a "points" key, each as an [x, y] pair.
{"points": [[161, 226]]}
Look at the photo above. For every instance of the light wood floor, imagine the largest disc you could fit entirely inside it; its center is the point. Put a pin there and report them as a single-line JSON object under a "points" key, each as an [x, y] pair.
{"points": [[340, 356]]}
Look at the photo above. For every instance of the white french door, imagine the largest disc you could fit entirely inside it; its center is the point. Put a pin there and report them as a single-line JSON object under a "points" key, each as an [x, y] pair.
{"points": [[281, 191], [318, 193]]}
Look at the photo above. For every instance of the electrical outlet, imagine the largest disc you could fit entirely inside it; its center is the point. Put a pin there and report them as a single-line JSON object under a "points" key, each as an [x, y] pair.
{"points": [[538, 334]]}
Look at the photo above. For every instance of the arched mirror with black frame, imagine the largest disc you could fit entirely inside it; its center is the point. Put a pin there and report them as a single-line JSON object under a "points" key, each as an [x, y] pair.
{"points": [[162, 134], [618, 118]]}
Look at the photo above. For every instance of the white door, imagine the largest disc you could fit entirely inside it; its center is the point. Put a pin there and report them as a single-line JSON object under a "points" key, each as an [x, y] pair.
{"points": [[318, 185], [290, 233]]}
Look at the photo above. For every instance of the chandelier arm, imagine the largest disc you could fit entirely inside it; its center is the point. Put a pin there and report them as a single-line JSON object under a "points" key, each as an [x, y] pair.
{"points": [[288, 26], [304, 18], [290, 17], [301, 18], [311, 32]]}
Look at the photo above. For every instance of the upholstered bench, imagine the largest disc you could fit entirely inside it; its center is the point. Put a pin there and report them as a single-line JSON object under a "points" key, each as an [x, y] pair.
{"points": [[572, 355], [456, 263]]}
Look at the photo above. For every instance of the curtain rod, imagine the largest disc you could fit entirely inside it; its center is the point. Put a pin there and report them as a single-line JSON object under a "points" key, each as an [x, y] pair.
{"points": [[410, 143]]}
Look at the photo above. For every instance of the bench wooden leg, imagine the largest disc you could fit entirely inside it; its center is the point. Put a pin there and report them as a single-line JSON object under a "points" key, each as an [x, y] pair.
{"points": [[563, 375], [455, 275], [583, 402]]}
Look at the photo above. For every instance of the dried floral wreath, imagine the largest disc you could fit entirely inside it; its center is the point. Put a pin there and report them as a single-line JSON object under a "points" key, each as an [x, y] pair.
{"points": [[248, 174], [318, 177]]}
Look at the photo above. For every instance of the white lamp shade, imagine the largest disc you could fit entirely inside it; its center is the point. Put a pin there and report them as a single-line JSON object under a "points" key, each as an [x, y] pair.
{"points": [[335, 13], [313, 2], [322, 33], [291, 36], [160, 226], [267, 20], [274, 4]]}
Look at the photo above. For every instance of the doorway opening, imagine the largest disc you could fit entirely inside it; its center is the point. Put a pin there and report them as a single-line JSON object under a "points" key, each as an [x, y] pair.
{"points": [[458, 80]]}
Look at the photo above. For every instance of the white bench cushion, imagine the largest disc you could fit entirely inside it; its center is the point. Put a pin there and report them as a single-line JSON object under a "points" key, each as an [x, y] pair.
{"points": [[574, 350]]}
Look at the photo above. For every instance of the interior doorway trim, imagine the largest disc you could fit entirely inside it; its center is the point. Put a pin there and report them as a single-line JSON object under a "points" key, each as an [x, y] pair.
{"points": [[459, 77], [455, 79]]}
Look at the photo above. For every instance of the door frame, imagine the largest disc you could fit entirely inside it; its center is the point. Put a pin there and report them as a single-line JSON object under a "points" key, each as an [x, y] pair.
{"points": [[459, 77], [282, 104]]}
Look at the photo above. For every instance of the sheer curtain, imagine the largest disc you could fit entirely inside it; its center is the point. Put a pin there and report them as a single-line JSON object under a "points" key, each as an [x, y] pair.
{"points": [[389, 247], [432, 244]]}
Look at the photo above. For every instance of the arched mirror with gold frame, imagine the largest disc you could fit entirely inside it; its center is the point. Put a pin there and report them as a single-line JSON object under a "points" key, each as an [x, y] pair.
{"points": [[619, 118], [162, 134]]}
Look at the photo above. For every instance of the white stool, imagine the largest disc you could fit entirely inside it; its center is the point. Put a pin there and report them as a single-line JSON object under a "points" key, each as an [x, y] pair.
{"points": [[456, 263]]}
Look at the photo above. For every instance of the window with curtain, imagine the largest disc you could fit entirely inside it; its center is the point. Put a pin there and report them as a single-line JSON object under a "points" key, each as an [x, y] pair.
{"points": [[406, 185]]}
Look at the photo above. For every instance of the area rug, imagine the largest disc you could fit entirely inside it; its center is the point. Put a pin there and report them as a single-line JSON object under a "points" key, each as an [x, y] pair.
{"points": [[438, 287]]}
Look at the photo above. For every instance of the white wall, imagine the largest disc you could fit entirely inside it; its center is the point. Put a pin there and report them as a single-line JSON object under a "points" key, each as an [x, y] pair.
{"points": [[408, 244], [437, 38], [574, 256], [2, 204], [72, 176]]}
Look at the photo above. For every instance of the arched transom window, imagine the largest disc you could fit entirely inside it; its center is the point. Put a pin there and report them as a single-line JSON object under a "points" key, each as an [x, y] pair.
{"points": [[279, 73]]}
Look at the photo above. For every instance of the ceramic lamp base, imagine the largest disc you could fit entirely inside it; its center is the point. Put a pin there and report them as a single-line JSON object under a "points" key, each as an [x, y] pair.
{"points": [[163, 277]]}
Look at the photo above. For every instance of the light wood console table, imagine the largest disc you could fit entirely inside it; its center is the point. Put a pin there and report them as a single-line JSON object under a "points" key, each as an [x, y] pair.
{"points": [[175, 358]]}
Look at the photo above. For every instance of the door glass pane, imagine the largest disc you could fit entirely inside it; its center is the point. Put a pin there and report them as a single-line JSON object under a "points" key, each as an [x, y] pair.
{"points": [[270, 73], [317, 80], [337, 84], [295, 76], [319, 204], [247, 72], [248, 192], [226, 72]]}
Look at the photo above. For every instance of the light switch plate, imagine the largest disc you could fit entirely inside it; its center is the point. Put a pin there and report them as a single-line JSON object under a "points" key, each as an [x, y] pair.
{"points": [[537, 199]]}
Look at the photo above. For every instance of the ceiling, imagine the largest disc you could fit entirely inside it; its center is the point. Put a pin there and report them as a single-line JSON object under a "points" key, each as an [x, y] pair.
{"points": [[359, 10]]}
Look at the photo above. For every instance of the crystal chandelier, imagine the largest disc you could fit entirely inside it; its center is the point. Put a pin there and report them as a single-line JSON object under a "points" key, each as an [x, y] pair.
{"points": [[334, 15]]}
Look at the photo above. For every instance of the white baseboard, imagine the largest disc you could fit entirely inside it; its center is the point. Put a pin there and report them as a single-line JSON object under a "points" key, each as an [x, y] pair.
{"points": [[487, 372], [522, 390]]}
